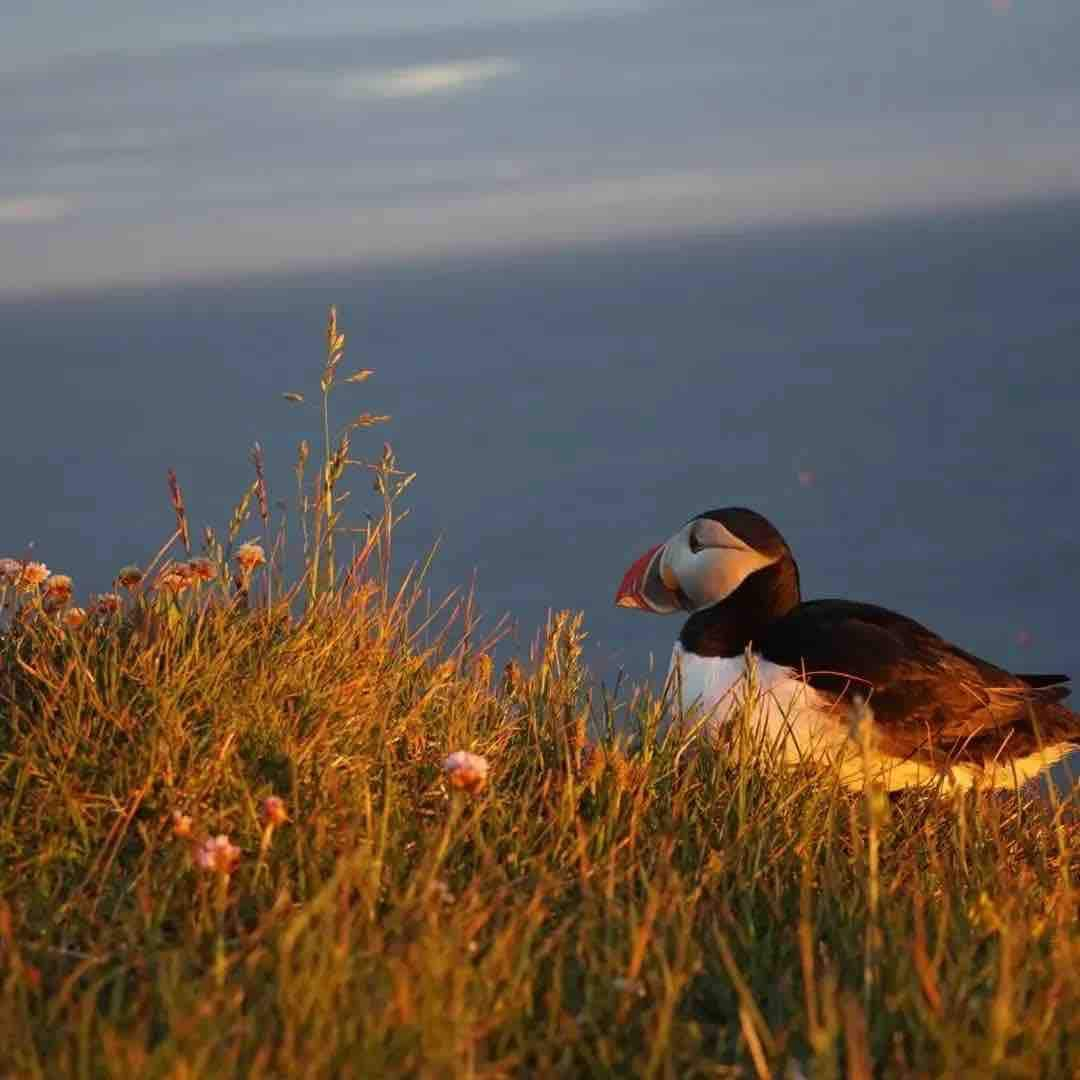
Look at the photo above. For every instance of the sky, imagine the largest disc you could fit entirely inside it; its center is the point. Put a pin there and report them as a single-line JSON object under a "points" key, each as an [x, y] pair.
{"points": [[143, 142]]}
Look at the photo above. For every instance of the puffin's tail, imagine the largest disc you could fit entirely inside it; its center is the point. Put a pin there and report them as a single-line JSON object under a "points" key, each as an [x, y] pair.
{"points": [[1047, 682]]}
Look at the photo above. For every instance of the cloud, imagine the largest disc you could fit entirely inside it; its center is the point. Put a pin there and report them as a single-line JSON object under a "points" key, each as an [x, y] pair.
{"points": [[259, 152], [529, 218], [112, 141], [422, 79], [33, 209]]}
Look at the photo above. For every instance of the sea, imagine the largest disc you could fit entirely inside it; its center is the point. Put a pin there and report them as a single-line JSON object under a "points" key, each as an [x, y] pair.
{"points": [[900, 396]]}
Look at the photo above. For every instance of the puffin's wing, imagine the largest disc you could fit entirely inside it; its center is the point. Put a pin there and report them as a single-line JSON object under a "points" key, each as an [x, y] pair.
{"points": [[927, 695]]}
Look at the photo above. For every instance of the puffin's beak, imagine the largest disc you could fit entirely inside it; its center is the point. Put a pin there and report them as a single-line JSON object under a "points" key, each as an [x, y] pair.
{"points": [[644, 572]]}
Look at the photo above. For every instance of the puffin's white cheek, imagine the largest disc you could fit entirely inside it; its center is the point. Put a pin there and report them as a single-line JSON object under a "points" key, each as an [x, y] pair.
{"points": [[715, 573]]}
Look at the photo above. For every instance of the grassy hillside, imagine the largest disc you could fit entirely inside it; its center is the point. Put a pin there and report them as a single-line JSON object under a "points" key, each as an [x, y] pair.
{"points": [[230, 847]]}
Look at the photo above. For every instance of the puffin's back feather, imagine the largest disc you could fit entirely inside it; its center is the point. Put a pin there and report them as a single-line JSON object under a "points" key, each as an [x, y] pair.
{"points": [[931, 700]]}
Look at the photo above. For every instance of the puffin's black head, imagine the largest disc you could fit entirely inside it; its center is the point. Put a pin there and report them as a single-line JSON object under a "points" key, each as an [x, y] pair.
{"points": [[711, 558], [757, 532]]}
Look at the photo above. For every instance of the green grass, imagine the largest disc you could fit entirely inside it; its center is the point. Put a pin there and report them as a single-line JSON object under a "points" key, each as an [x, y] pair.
{"points": [[677, 910]]}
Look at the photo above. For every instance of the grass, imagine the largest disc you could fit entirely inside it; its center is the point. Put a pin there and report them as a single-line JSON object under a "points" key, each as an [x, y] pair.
{"points": [[591, 910]]}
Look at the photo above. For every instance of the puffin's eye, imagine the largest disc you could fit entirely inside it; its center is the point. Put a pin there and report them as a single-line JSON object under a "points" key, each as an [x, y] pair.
{"points": [[695, 543]]}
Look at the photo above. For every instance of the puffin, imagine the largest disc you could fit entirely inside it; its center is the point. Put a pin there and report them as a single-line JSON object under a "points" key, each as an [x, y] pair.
{"points": [[853, 684]]}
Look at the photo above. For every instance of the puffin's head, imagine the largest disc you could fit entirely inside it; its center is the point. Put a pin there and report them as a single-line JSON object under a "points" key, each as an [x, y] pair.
{"points": [[704, 562]]}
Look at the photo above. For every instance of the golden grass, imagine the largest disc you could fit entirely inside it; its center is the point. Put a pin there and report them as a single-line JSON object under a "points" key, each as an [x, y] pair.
{"points": [[230, 848]]}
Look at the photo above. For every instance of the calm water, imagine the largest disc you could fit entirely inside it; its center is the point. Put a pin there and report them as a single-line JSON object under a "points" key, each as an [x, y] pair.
{"points": [[901, 398]]}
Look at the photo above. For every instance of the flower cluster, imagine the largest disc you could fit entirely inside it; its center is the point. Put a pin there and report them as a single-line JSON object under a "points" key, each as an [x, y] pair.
{"points": [[53, 590], [57, 590], [274, 812], [74, 617], [130, 577], [202, 569], [107, 604], [248, 556], [466, 771], [33, 573], [173, 579], [22, 574], [177, 577], [217, 855]]}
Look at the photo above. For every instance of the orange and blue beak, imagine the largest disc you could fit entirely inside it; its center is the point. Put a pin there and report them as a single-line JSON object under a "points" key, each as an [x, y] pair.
{"points": [[645, 588]]}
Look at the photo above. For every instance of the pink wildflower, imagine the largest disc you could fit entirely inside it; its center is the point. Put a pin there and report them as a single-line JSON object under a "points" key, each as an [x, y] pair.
{"points": [[129, 577], [57, 589], [202, 569], [33, 573], [173, 580], [248, 556], [466, 771], [216, 854], [107, 604], [274, 812]]}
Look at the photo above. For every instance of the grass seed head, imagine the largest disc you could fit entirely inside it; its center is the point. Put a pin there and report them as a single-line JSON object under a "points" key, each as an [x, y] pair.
{"points": [[513, 682], [621, 769], [482, 667], [593, 762], [10, 570], [177, 497]]}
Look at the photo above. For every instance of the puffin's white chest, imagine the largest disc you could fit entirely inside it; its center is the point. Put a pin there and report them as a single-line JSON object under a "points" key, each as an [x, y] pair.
{"points": [[799, 721]]}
